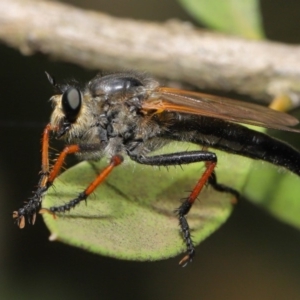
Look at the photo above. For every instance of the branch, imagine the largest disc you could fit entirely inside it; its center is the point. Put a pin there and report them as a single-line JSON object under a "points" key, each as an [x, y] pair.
{"points": [[173, 50]]}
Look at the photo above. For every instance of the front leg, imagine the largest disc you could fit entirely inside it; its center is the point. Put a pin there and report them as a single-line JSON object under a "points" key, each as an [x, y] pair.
{"points": [[47, 178], [208, 176], [34, 203]]}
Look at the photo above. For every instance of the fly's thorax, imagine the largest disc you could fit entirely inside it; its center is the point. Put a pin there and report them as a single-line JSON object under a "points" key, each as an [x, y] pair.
{"points": [[126, 83]]}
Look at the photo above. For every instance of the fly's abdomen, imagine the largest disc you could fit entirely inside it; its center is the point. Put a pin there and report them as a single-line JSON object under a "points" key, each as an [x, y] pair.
{"points": [[237, 139]]}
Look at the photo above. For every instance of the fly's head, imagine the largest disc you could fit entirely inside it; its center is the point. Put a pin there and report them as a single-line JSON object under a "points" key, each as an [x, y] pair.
{"points": [[72, 116]]}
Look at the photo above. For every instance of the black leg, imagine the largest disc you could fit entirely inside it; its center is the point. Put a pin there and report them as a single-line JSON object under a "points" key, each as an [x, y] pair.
{"points": [[212, 180], [179, 158]]}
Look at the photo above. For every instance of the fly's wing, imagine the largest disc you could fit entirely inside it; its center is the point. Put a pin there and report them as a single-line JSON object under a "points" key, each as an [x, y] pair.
{"points": [[169, 99]]}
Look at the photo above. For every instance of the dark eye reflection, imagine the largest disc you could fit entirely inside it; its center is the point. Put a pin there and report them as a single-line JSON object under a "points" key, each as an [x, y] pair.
{"points": [[71, 103]]}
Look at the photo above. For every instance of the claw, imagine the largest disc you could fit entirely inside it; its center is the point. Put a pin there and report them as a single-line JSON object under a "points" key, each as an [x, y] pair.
{"points": [[20, 219], [33, 218], [47, 211], [234, 201], [21, 222], [185, 260]]}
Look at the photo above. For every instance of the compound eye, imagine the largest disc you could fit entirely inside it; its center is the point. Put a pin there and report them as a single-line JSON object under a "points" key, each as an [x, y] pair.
{"points": [[71, 103]]}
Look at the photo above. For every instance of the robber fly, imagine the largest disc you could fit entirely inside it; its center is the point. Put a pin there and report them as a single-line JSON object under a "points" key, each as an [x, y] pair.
{"points": [[128, 113]]}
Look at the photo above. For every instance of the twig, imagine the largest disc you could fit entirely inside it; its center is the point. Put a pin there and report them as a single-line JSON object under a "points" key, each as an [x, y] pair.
{"points": [[173, 50]]}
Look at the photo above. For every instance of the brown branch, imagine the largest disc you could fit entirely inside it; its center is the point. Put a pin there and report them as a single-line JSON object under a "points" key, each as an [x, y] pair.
{"points": [[172, 50]]}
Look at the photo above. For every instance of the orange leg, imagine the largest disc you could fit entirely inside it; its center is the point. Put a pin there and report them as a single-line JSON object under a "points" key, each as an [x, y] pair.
{"points": [[185, 207], [207, 177], [60, 161], [114, 162], [210, 166]]}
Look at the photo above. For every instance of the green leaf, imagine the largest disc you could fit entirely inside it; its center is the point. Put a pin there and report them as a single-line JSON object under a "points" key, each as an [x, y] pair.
{"points": [[276, 190], [131, 215], [236, 17]]}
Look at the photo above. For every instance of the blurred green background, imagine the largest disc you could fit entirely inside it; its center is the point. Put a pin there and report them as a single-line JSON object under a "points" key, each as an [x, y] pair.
{"points": [[253, 256]]}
